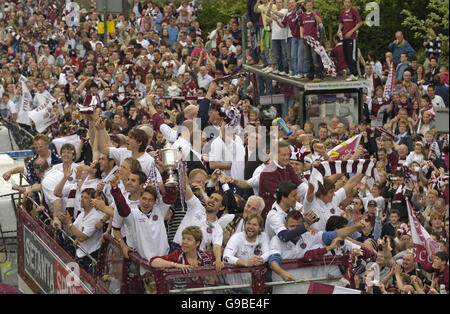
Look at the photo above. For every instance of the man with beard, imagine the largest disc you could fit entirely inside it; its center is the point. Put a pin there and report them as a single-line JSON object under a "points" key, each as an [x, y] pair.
{"points": [[206, 219], [235, 223], [247, 249]]}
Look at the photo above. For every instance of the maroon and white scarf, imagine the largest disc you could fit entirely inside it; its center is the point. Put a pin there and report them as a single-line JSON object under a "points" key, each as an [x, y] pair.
{"points": [[70, 202], [89, 104], [399, 195], [328, 64], [328, 168], [437, 181], [204, 258]]}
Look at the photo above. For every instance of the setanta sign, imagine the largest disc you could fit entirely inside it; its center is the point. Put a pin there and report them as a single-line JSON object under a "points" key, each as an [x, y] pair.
{"points": [[47, 270]]}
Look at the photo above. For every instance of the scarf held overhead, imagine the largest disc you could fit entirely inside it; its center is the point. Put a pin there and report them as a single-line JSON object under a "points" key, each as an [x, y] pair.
{"points": [[328, 168]]}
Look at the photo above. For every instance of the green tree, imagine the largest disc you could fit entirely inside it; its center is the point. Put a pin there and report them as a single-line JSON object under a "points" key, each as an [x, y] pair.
{"points": [[219, 11], [437, 18]]}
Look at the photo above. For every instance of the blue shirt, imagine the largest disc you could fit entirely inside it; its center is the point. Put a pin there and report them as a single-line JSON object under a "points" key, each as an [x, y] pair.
{"points": [[173, 34]]}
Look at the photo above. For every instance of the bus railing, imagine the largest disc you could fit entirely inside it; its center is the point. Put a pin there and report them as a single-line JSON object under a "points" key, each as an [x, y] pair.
{"points": [[257, 282], [112, 272]]}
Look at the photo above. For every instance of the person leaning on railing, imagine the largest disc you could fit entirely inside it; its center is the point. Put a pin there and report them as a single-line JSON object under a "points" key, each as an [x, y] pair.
{"points": [[189, 256], [84, 229]]}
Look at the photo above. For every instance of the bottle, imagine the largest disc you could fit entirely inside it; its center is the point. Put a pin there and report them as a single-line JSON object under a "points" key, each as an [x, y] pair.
{"points": [[282, 124]]}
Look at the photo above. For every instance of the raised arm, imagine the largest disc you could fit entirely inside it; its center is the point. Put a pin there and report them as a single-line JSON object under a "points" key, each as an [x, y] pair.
{"points": [[102, 145], [67, 170], [348, 187], [121, 204]]}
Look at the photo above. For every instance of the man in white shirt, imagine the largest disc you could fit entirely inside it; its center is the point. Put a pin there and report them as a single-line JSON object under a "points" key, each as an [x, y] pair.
{"points": [[227, 153], [145, 221], [296, 249], [325, 202], [436, 100], [206, 219], [203, 78], [247, 249], [41, 91], [141, 40], [136, 145], [84, 229], [49, 179], [279, 38]]}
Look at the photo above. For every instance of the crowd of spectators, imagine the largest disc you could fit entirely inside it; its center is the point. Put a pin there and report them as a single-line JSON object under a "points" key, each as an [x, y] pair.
{"points": [[158, 78]]}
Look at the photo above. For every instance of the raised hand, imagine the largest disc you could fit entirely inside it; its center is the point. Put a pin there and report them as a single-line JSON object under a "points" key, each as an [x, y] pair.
{"points": [[114, 181], [67, 170]]}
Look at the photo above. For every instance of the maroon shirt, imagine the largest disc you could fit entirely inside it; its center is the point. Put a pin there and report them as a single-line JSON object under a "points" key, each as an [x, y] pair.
{"points": [[292, 20], [338, 54], [269, 181], [349, 20], [310, 26]]}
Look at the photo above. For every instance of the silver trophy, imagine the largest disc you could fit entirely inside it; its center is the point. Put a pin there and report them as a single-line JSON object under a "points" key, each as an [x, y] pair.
{"points": [[170, 164]]}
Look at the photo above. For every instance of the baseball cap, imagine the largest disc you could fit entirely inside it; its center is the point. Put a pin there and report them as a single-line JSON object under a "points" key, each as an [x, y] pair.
{"points": [[372, 203]]}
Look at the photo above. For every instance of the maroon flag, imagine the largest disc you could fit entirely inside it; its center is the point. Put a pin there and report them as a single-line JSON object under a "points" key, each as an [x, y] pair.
{"points": [[424, 246], [349, 146]]}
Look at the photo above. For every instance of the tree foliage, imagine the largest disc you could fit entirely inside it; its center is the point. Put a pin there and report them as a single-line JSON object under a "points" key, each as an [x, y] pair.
{"points": [[437, 14], [220, 11]]}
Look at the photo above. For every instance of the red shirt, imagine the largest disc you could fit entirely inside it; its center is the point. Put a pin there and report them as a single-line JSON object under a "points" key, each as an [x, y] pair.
{"points": [[269, 181], [338, 54], [189, 87], [350, 19], [293, 21], [177, 256], [309, 23]]}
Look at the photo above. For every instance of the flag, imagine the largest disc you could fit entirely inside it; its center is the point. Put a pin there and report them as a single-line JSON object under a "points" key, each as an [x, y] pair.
{"points": [[349, 146], [72, 14], [389, 83], [89, 104], [328, 64], [44, 115], [321, 288], [328, 168], [424, 246], [25, 104], [60, 141]]}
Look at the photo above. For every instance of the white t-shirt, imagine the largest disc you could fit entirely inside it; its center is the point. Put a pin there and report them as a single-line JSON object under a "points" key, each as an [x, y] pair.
{"points": [[124, 225], [75, 202], [204, 81], [438, 102], [254, 180], [227, 218], [276, 219], [238, 247], [196, 216], [73, 166], [184, 145], [86, 224], [325, 211], [290, 250], [147, 162], [413, 157], [277, 31], [149, 231], [48, 184], [234, 152]]}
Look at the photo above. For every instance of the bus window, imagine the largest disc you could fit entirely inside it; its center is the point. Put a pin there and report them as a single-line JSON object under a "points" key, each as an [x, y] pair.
{"points": [[341, 105], [112, 271]]}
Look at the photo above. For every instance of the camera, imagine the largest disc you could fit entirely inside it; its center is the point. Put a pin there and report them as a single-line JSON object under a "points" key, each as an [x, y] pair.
{"points": [[82, 132], [219, 172]]}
